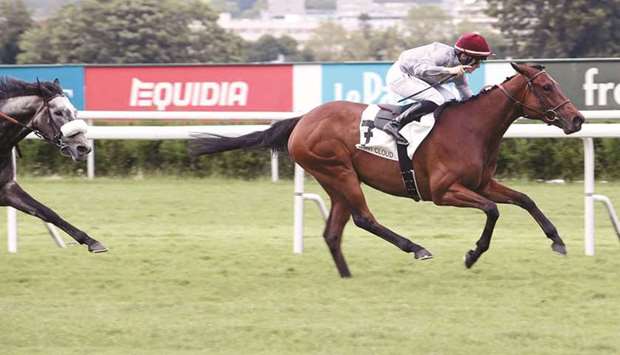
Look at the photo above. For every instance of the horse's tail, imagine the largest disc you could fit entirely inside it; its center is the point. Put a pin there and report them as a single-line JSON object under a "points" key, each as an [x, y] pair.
{"points": [[274, 137]]}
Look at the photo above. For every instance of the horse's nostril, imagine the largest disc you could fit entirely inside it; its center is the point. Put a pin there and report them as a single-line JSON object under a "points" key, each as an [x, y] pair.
{"points": [[578, 121], [82, 149]]}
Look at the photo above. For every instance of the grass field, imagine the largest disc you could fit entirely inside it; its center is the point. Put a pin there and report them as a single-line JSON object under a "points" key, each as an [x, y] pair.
{"points": [[206, 267]]}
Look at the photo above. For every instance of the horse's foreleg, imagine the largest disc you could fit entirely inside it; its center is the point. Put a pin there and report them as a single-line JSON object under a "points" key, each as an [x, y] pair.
{"points": [[503, 194], [13, 195], [460, 196], [338, 217]]}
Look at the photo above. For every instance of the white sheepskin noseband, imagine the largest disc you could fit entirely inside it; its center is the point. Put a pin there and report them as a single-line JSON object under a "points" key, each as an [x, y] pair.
{"points": [[74, 127]]}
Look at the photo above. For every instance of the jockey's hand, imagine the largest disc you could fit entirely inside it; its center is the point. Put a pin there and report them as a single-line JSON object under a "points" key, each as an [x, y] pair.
{"points": [[471, 68], [460, 70]]}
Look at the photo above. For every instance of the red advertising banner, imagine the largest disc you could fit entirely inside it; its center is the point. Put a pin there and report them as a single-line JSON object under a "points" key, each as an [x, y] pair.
{"points": [[190, 88]]}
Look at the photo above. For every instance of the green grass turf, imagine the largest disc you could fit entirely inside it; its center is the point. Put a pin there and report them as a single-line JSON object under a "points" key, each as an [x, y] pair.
{"points": [[206, 267]]}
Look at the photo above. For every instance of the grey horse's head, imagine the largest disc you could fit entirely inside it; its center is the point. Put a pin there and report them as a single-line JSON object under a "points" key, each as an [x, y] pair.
{"points": [[57, 120]]}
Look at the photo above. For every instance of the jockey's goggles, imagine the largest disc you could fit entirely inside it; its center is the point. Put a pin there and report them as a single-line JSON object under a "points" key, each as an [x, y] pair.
{"points": [[471, 60]]}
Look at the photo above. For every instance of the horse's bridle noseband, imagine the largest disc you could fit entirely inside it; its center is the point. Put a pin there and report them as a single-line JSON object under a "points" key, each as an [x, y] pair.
{"points": [[56, 140], [548, 116]]}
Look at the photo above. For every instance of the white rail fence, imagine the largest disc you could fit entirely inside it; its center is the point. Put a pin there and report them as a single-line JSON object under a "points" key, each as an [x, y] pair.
{"points": [[588, 132], [171, 132]]}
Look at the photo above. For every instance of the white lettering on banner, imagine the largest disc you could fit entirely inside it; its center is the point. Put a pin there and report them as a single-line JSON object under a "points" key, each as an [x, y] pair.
{"points": [[187, 97], [162, 95], [180, 94], [603, 89], [373, 90], [209, 94], [373, 87]]}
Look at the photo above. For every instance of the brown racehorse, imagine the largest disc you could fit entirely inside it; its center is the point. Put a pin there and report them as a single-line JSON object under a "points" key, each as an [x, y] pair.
{"points": [[454, 166]]}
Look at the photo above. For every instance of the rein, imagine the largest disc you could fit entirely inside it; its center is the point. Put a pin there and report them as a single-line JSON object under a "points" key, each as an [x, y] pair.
{"points": [[548, 116], [429, 87], [55, 141]]}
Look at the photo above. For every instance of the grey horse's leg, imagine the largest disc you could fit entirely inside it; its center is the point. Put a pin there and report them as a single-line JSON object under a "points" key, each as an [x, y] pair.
{"points": [[11, 194]]}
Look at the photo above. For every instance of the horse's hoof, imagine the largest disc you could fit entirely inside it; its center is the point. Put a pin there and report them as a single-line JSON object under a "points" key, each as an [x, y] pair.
{"points": [[559, 248], [423, 254], [470, 259], [97, 247]]}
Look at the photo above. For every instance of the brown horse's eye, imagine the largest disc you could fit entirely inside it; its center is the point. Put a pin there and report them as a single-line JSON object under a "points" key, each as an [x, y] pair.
{"points": [[547, 87]]}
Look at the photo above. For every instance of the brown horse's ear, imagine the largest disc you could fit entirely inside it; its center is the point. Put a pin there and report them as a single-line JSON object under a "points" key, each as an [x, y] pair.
{"points": [[516, 67]]}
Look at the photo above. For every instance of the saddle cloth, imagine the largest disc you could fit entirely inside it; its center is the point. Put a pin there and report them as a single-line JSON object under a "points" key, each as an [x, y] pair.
{"points": [[375, 141]]}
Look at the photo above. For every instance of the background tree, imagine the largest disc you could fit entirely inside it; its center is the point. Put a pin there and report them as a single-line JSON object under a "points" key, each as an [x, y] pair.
{"points": [[269, 48], [426, 24], [563, 28], [331, 42], [14, 21], [138, 31], [230, 6], [387, 44], [328, 42]]}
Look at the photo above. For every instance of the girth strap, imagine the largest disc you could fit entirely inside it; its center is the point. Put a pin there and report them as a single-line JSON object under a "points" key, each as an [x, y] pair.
{"points": [[406, 171]]}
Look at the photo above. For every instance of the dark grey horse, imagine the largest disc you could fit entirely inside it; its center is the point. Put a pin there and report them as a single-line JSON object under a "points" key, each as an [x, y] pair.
{"points": [[41, 108]]}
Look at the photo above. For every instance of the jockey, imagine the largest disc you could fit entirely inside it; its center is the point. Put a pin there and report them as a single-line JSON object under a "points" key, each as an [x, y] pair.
{"points": [[418, 68]]}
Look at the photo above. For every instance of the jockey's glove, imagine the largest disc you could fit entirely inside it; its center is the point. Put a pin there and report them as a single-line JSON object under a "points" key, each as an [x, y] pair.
{"points": [[459, 69]]}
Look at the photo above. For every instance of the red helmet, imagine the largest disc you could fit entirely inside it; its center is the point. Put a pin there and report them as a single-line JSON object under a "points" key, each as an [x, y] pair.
{"points": [[473, 44]]}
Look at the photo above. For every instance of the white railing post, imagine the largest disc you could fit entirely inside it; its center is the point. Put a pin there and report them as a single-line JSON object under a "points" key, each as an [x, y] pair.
{"points": [[275, 173], [298, 211], [11, 214], [90, 163], [11, 228], [588, 176]]}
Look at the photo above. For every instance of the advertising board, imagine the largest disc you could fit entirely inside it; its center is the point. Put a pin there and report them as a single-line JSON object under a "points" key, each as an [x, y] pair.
{"points": [[190, 88]]}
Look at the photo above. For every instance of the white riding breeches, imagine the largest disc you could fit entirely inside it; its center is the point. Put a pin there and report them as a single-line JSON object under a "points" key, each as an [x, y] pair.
{"points": [[402, 85]]}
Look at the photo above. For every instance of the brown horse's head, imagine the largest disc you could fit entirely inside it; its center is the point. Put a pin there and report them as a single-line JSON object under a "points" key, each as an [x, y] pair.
{"points": [[544, 100]]}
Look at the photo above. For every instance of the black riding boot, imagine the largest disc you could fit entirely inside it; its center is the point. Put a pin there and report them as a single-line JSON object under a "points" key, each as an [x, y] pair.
{"points": [[414, 112]]}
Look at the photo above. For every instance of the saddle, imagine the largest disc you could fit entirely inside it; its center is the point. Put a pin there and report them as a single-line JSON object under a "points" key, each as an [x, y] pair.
{"points": [[386, 114]]}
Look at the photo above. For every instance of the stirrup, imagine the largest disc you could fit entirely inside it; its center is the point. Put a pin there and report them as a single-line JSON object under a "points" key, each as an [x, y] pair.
{"points": [[401, 140], [393, 129]]}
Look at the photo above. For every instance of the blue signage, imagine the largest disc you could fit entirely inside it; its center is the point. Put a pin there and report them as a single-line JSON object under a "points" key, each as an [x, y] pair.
{"points": [[365, 82], [355, 82], [71, 78], [476, 79]]}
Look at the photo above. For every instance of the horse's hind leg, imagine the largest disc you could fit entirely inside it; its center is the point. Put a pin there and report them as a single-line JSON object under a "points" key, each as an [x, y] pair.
{"points": [[343, 181], [11, 194], [338, 217]]}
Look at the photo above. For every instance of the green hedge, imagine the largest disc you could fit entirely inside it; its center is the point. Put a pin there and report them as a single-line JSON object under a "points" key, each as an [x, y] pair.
{"points": [[519, 158], [126, 158]]}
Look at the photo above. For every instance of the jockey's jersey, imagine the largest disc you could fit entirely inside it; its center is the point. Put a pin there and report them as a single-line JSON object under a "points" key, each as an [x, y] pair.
{"points": [[430, 63]]}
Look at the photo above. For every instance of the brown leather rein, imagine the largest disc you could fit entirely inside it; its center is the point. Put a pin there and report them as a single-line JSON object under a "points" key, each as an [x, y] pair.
{"points": [[548, 116]]}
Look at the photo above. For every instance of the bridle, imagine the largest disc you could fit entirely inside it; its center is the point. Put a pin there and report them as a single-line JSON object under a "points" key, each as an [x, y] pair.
{"points": [[548, 116], [57, 139]]}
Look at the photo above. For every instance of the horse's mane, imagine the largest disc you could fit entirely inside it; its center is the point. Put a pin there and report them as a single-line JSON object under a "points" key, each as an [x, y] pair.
{"points": [[11, 87], [482, 92]]}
